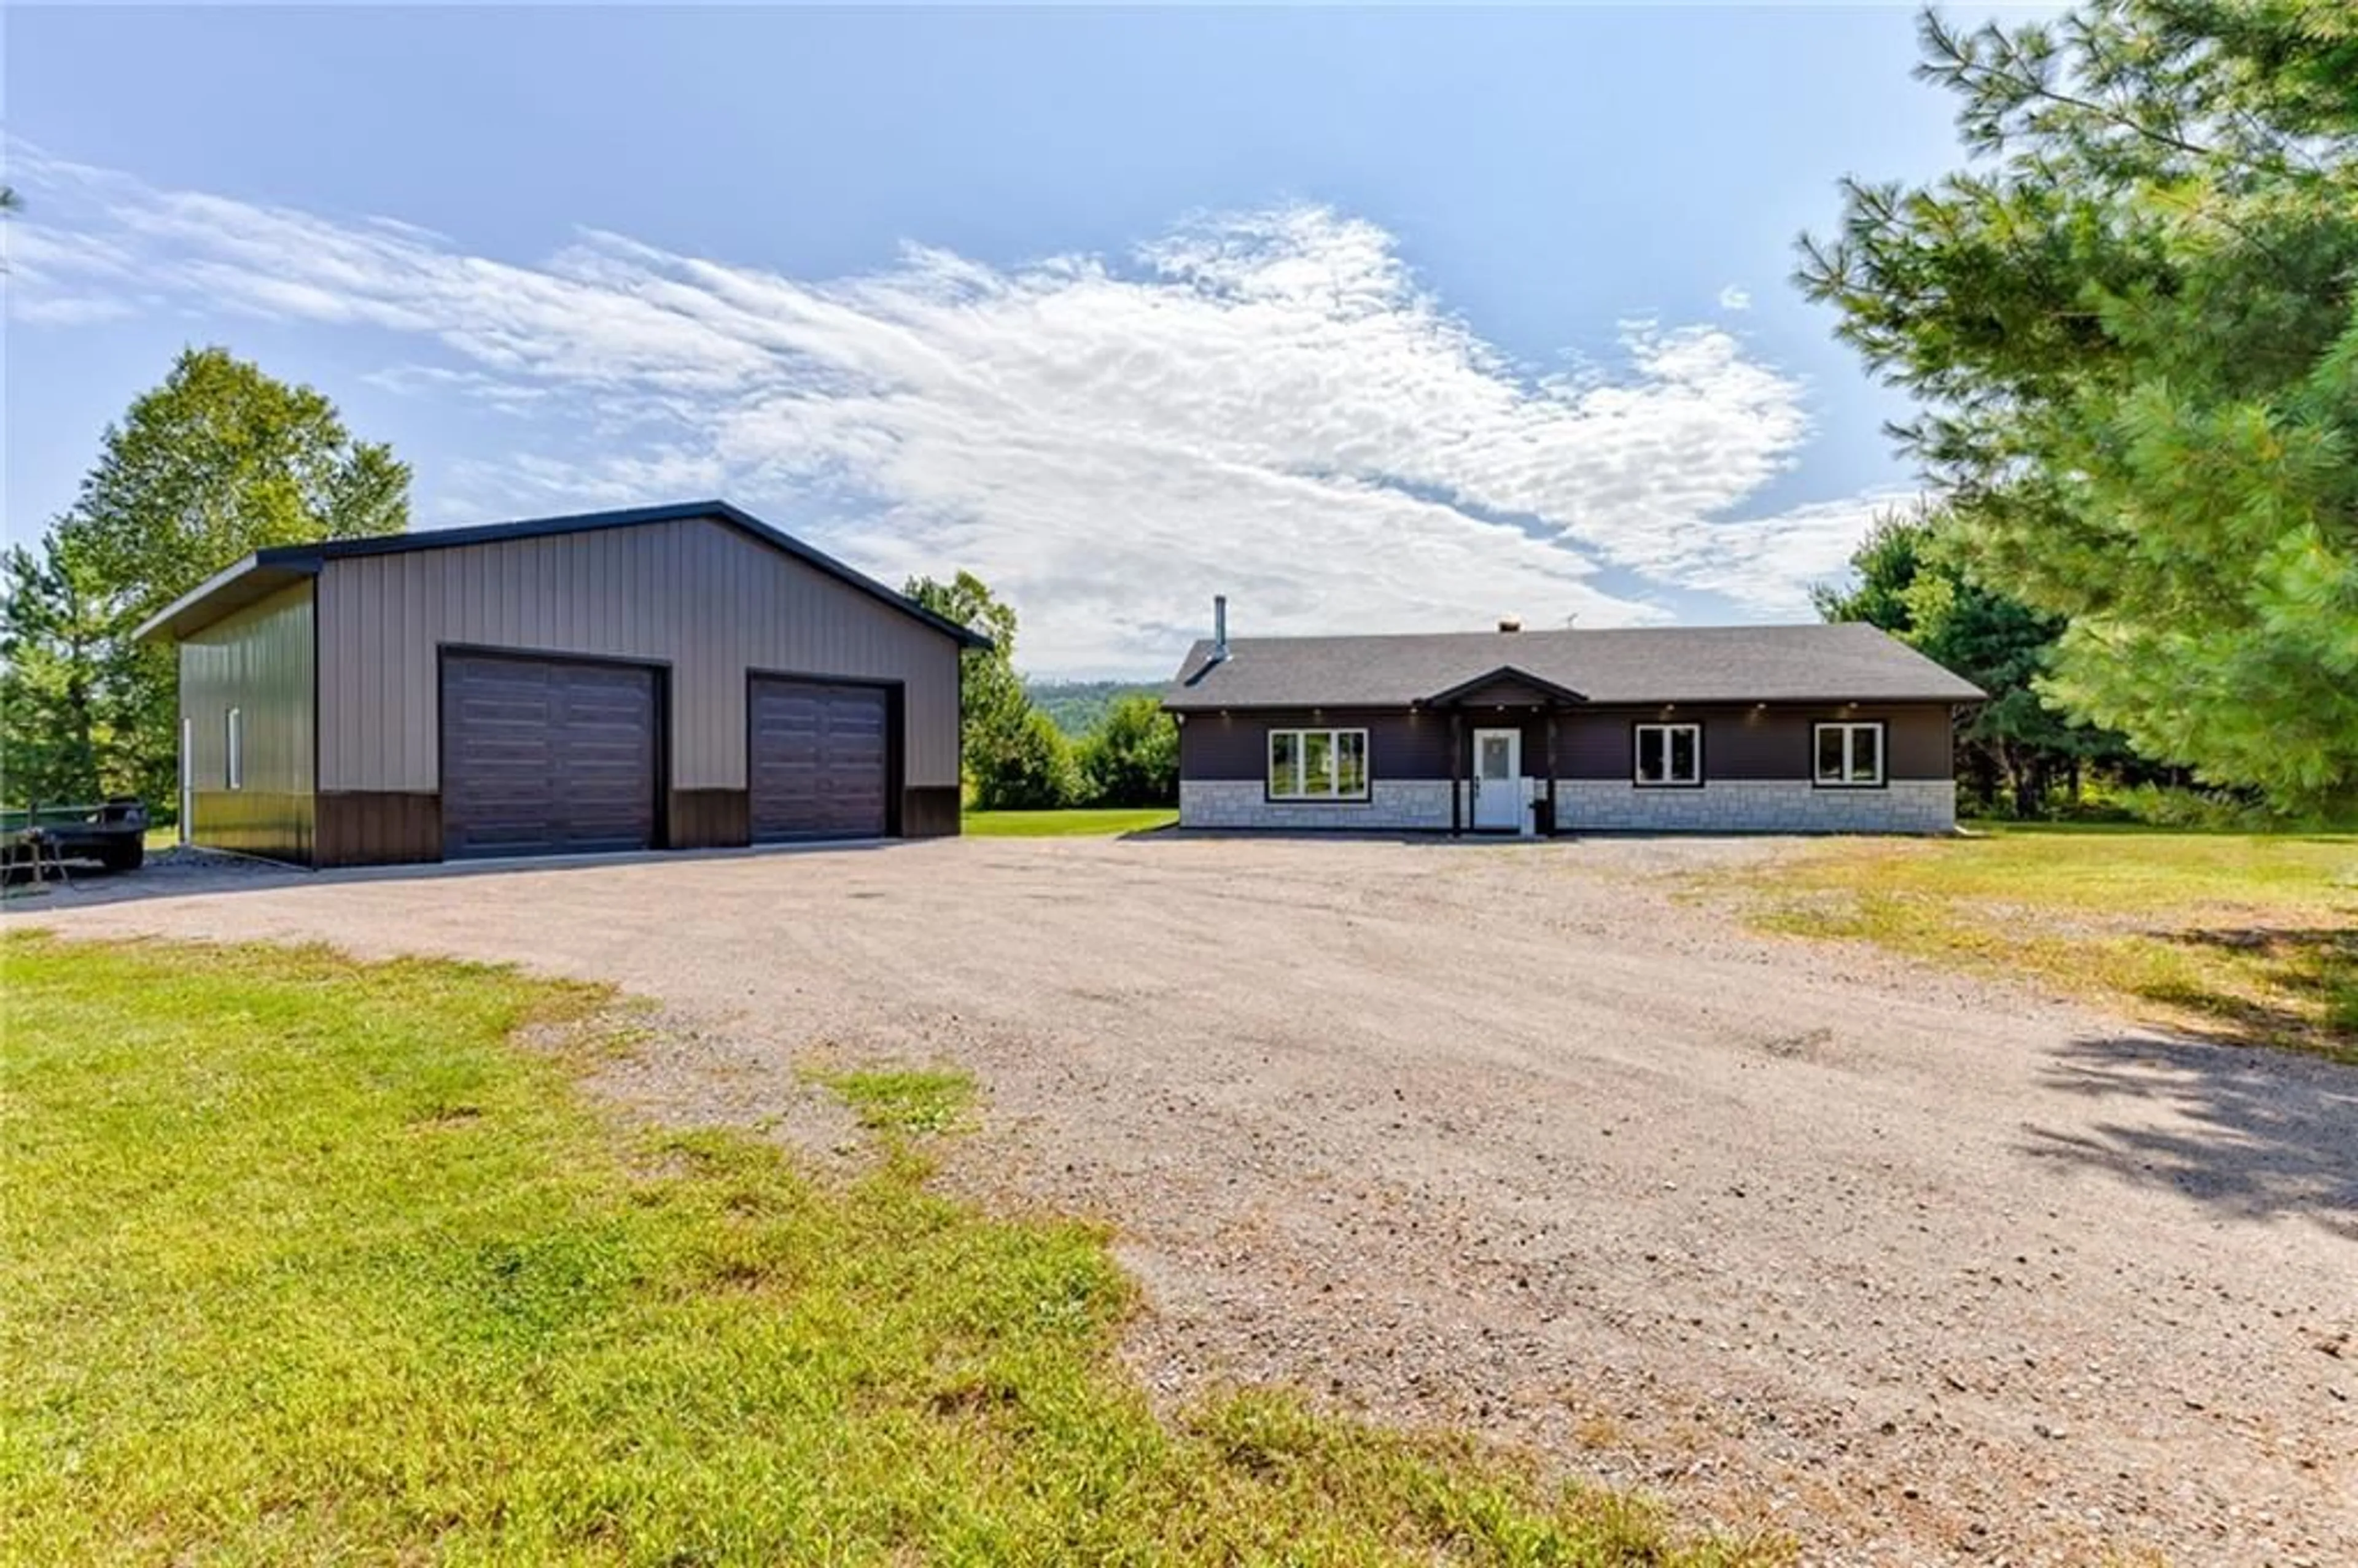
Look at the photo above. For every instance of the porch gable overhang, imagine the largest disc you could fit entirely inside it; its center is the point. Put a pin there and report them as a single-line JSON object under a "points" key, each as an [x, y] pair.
{"points": [[1550, 694]]}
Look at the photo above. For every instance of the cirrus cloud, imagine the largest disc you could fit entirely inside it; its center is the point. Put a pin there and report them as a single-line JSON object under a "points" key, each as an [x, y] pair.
{"points": [[1268, 404]]}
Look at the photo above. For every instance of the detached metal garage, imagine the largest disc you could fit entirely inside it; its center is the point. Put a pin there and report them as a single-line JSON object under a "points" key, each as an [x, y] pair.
{"points": [[675, 677]]}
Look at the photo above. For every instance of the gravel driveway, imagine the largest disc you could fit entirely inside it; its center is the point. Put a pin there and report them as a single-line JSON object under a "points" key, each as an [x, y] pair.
{"points": [[1919, 1267]]}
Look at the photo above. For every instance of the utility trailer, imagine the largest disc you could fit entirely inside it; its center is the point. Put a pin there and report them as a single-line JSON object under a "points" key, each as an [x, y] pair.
{"points": [[113, 833]]}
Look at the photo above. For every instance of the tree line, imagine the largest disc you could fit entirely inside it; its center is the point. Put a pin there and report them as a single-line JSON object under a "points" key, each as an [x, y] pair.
{"points": [[1017, 757], [2131, 325]]}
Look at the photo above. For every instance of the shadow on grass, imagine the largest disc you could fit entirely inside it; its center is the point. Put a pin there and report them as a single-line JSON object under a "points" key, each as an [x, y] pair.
{"points": [[2313, 972], [2255, 1135]]}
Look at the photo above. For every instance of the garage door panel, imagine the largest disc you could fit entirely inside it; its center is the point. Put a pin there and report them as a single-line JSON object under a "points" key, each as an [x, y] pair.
{"points": [[819, 762], [544, 756]]}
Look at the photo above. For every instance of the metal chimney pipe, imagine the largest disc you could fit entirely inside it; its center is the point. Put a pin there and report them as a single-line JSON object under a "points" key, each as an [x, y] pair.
{"points": [[1219, 626]]}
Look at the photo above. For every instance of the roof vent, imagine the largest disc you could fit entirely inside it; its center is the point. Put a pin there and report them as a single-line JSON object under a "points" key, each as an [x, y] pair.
{"points": [[1219, 627], [1510, 622]]}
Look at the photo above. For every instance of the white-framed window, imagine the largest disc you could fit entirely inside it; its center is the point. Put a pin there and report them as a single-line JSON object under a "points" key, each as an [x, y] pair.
{"points": [[1665, 754], [1848, 754], [1317, 764], [234, 748]]}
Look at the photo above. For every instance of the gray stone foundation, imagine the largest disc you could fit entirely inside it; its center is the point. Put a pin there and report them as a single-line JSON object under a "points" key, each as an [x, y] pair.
{"points": [[1393, 804], [1761, 805], [1724, 806]]}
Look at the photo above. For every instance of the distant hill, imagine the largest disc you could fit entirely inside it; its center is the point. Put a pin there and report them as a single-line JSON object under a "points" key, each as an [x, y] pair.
{"points": [[1075, 705]]}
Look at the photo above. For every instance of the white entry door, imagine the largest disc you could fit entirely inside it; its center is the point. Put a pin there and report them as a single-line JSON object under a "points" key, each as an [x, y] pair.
{"points": [[1498, 780]]}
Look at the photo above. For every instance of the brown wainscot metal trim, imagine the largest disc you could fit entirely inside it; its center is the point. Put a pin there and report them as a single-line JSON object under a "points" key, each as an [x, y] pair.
{"points": [[710, 818], [930, 811], [377, 827]]}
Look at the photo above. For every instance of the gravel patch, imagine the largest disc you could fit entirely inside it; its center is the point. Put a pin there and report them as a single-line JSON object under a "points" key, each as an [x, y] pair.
{"points": [[1917, 1267]]}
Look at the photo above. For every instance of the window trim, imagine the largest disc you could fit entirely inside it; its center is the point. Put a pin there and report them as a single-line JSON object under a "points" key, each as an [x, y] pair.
{"points": [[1334, 732], [233, 749], [1882, 729], [1638, 727]]}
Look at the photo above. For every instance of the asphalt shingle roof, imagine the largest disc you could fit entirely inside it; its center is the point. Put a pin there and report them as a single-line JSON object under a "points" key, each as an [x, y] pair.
{"points": [[1846, 662]]}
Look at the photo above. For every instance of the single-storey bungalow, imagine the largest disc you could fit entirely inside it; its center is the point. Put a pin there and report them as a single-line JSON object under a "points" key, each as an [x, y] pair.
{"points": [[668, 678], [1727, 728]]}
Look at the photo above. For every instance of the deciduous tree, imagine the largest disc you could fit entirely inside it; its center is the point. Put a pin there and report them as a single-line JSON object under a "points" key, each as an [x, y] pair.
{"points": [[218, 461], [1132, 758], [1016, 759]]}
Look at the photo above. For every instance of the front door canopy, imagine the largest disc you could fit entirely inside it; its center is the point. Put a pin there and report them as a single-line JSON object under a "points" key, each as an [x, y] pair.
{"points": [[1471, 693]]}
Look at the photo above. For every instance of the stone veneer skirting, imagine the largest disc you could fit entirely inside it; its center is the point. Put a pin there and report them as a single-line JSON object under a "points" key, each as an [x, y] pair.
{"points": [[1725, 806], [1393, 804], [1758, 806]]}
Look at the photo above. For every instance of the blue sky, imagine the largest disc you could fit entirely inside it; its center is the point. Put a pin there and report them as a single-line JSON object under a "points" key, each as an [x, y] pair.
{"points": [[1370, 318]]}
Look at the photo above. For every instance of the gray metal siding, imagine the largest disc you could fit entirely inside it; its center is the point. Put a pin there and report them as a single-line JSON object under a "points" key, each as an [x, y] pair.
{"points": [[693, 595], [259, 661]]}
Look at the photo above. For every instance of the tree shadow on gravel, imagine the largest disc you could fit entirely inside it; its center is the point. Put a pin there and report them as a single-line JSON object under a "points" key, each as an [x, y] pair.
{"points": [[2253, 1135]]}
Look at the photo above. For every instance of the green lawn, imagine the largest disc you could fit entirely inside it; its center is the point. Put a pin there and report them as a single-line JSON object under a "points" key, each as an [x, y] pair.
{"points": [[2246, 937], [1094, 822], [315, 1260]]}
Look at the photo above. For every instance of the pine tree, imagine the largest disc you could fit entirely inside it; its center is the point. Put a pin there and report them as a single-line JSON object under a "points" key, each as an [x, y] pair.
{"points": [[2134, 331]]}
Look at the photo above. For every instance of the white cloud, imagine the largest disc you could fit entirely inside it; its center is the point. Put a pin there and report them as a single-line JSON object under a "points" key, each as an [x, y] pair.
{"points": [[1266, 404], [1733, 297], [1767, 565]]}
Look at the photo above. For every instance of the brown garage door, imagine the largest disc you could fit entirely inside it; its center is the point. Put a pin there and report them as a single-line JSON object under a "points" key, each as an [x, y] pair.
{"points": [[546, 757], [820, 760]]}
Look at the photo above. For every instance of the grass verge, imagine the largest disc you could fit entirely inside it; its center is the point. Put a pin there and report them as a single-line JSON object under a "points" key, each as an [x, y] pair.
{"points": [[2242, 937], [902, 1099], [311, 1259], [1093, 822]]}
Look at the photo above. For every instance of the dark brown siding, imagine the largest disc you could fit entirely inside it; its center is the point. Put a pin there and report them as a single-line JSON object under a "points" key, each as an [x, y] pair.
{"points": [[709, 819], [929, 812], [1401, 745], [363, 828], [1591, 743], [1753, 743]]}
